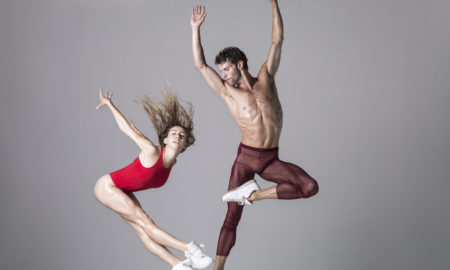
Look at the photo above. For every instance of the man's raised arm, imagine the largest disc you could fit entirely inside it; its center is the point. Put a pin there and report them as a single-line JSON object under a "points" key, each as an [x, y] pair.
{"points": [[273, 60], [211, 77]]}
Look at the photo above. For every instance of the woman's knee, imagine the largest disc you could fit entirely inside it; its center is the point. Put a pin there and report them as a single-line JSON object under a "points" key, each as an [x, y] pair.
{"points": [[140, 231], [142, 219]]}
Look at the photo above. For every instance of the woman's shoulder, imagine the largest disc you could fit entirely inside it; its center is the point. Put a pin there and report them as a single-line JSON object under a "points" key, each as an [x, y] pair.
{"points": [[150, 156]]}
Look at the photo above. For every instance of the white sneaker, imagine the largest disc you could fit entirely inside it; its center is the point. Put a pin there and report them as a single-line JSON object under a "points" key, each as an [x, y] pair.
{"points": [[197, 256], [184, 265], [241, 193]]}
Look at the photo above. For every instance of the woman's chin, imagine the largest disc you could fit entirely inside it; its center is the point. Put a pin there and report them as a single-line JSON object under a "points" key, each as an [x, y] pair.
{"points": [[176, 147]]}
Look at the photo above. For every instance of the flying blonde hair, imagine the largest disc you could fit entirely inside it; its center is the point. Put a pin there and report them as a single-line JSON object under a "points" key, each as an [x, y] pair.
{"points": [[167, 113]]}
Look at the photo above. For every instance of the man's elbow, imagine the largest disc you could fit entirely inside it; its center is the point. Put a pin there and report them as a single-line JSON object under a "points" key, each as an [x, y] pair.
{"points": [[278, 40], [199, 66]]}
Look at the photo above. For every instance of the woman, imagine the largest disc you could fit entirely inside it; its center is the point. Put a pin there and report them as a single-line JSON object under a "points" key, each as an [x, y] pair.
{"points": [[173, 124]]}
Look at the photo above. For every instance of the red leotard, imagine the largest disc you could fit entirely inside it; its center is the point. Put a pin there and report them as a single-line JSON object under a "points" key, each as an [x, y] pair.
{"points": [[135, 177]]}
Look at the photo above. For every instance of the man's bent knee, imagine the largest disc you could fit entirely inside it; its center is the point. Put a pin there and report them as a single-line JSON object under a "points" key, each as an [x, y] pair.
{"points": [[310, 189]]}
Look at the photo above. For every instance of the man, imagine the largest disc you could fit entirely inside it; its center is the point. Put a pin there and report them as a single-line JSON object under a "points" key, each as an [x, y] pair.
{"points": [[253, 102]]}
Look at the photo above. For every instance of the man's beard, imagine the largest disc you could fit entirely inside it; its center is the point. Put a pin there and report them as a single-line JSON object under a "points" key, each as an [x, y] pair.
{"points": [[236, 82]]}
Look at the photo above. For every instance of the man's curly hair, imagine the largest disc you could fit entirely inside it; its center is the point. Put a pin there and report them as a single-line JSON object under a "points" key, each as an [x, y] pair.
{"points": [[233, 54]]}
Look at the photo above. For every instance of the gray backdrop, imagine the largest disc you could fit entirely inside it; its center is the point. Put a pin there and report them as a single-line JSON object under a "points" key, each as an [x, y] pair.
{"points": [[365, 91]]}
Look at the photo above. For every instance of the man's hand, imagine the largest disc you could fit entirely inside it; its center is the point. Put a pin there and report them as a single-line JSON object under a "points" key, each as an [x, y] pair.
{"points": [[198, 16]]}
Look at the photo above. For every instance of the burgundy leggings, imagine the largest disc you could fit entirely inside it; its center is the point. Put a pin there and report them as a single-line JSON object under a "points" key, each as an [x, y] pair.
{"points": [[292, 183]]}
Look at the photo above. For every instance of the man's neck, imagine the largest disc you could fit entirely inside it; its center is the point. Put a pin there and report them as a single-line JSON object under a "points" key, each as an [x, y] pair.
{"points": [[247, 81]]}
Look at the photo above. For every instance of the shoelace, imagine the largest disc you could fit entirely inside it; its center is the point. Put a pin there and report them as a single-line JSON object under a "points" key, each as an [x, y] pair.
{"points": [[189, 255], [202, 249]]}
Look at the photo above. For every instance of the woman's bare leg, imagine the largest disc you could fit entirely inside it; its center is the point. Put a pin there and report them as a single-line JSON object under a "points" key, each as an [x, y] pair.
{"points": [[156, 233], [128, 207], [158, 250]]}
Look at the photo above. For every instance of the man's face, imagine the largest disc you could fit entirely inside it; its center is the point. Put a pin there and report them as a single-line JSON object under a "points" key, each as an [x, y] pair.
{"points": [[230, 72]]}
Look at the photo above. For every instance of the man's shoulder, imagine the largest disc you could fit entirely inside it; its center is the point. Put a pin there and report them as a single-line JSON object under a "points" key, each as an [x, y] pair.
{"points": [[264, 80], [264, 74]]}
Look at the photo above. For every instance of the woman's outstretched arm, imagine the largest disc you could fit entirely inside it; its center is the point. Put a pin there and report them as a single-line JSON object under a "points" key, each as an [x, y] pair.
{"points": [[125, 126]]}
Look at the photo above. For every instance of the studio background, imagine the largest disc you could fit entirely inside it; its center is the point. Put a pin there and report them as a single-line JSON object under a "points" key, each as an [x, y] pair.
{"points": [[365, 90]]}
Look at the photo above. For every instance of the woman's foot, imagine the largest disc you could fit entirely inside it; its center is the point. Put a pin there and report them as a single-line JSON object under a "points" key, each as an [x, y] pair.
{"points": [[197, 256], [184, 265]]}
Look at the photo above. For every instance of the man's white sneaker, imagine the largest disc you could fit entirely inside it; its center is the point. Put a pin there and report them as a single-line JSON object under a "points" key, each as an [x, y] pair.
{"points": [[184, 265], [197, 256], [241, 193]]}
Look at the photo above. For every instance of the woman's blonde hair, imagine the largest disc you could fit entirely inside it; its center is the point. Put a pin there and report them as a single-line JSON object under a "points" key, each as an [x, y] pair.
{"points": [[167, 113]]}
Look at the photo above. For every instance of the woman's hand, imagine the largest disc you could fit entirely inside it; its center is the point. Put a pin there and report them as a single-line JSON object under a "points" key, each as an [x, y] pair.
{"points": [[104, 99]]}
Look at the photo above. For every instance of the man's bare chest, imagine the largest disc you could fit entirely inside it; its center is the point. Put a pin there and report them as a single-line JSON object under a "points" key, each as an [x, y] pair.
{"points": [[255, 103]]}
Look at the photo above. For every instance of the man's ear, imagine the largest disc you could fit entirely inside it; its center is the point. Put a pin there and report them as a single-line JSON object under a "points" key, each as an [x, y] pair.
{"points": [[240, 65]]}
